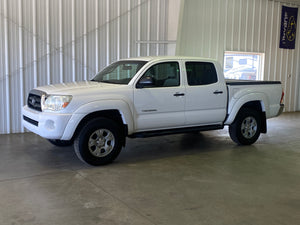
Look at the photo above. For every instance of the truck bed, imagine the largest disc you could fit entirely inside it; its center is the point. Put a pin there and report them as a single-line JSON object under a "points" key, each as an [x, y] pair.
{"points": [[267, 93]]}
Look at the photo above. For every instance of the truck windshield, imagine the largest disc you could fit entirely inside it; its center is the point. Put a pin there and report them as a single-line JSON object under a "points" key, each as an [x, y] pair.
{"points": [[120, 72]]}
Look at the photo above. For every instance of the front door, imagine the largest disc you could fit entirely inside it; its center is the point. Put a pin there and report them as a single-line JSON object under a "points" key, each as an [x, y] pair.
{"points": [[160, 103]]}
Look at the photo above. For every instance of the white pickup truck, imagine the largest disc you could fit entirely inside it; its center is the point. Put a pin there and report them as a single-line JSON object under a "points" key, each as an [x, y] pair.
{"points": [[149, 96]]}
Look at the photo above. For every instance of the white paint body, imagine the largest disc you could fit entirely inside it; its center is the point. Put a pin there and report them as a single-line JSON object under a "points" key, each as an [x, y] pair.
{"points": [[152, 109]]}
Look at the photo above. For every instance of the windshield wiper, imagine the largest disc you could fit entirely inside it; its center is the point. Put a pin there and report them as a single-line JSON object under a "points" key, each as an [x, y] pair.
{"points": [[103, 81], [107, 82]]}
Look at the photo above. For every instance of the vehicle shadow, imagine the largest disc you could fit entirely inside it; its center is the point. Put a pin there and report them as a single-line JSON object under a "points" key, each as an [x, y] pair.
{"points": [[153, 148]]}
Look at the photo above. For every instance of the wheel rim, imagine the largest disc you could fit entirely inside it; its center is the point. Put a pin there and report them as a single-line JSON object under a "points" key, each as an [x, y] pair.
{"points": [[249, 127], [101, 142]]}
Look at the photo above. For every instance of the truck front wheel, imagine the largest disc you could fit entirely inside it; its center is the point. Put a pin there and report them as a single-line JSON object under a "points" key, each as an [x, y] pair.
{"points": [[246, 128], [99, 142]]}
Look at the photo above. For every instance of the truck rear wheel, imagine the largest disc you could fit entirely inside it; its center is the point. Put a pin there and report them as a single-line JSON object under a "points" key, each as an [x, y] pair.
{"points": [[246, 128], [99, 142]]}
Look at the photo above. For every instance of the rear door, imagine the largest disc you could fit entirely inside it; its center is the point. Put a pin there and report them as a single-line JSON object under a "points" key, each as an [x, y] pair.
{"points": [[206, 95]]}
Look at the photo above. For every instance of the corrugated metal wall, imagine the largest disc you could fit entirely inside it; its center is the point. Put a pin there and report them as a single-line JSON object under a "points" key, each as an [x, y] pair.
{"points": [[210, 27], [51, 41]]}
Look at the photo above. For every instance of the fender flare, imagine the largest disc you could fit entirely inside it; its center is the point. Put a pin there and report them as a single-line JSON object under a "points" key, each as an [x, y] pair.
{"points": [[235, 106], [97, 106]]}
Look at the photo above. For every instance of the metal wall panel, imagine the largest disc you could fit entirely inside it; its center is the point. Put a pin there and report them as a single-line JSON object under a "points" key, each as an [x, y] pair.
{"points": [[210, 27], [50, 41]]}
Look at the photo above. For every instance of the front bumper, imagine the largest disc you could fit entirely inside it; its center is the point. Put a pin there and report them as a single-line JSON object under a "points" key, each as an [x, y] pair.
{"points": [[47, 125]]}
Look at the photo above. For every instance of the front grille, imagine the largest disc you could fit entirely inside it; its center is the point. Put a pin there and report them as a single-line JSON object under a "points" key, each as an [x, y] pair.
{"points": [[34, 100]]}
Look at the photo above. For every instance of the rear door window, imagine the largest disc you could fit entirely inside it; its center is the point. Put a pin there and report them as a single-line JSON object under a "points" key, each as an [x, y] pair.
{"points": [[201, 73]]}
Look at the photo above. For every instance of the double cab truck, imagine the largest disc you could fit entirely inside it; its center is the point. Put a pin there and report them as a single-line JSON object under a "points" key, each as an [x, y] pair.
{"points": [[149, 96]]}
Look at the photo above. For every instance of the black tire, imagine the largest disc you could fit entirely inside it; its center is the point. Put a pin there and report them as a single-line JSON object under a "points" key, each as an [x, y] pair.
{"points": [[99, 142], [60, 143], [246, 128]]}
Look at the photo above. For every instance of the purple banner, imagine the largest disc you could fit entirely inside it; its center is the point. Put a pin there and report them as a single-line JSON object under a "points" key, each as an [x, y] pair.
{"points": [[288, 27]]}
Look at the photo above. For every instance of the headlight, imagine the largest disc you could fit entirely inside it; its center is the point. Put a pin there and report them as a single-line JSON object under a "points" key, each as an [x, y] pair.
{"points": [[55, 102]]}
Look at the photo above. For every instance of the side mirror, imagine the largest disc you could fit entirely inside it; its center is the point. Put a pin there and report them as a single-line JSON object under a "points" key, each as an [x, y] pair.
{"points": [[145, 82]]}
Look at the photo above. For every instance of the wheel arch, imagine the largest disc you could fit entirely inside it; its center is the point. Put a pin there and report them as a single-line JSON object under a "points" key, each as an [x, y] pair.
{"points": [[112, 114], [106, 109], [257, 105]]}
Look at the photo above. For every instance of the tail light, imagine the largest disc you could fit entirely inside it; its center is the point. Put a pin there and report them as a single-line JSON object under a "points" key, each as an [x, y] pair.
{"points": [[282, 96]]}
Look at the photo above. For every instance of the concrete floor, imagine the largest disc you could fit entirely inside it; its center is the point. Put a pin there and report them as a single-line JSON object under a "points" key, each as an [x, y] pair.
{"points": [[181, 179]]}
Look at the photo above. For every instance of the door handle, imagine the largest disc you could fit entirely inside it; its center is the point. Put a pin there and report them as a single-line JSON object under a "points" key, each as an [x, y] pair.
{"points": [[178, 94], [217, 92]]}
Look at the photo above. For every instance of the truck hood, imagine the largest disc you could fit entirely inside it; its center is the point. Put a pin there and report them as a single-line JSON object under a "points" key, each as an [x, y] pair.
{"points": [[81, 88]]}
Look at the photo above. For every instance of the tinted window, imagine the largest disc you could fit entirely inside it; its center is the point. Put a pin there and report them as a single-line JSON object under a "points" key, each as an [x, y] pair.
{"points": [[164, 74], [201, 73]]}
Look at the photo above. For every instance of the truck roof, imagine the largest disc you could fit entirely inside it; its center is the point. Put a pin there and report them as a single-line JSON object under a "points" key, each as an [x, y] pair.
{"points": [[157, 58]]}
